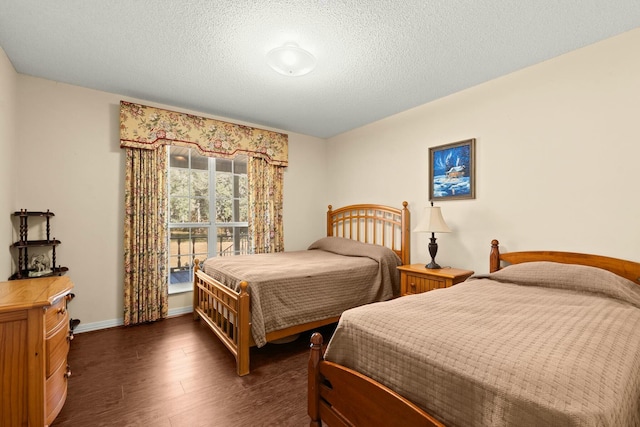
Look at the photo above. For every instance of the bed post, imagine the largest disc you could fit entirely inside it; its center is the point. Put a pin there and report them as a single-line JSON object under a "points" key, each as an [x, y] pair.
{"points": [[313, 390], [330, 221], [196, 267], [244, 330], [494, 256], [406, 233]]}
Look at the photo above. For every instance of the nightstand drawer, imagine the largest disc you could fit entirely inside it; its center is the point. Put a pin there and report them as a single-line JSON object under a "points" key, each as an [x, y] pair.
{"points": [[416, 279], [419, 284]]}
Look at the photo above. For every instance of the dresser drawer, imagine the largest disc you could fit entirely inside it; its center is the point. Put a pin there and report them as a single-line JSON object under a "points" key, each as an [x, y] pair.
{"points": [[57, 348], [56, 314], [56, 392]]}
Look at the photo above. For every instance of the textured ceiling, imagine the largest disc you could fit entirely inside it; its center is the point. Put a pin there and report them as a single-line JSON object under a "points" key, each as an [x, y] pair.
{"points": [[375, 58]]}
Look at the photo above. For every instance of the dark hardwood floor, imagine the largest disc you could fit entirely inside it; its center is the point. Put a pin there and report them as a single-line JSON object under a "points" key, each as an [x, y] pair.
{"points": [[177, 373]]}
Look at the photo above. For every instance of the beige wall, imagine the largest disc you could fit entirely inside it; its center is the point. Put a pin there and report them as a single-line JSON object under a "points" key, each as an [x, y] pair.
{"points": [[8, 78], [68, 139], [557, 158], [557, 147]]}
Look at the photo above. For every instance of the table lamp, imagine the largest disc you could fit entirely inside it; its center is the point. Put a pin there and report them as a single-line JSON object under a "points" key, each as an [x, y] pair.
{"points": [[432, 222]]}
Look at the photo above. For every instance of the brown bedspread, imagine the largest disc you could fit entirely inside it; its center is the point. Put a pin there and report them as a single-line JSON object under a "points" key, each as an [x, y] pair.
{"points": [[536, 344], [291, 288]]}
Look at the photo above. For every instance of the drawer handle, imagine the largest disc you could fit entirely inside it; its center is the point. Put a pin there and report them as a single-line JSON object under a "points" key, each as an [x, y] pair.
{"points": [[413, 285], [68, 373], [62, 310]]}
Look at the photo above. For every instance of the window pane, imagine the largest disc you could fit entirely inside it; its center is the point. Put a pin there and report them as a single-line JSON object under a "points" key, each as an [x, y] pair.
{"points": [[200, 237], [174, 263], [199, 183], [241, 186], [224, 165], [179, 210], [224, 210], [180, 256], [179, 182], [240, 165], [236, 210], [199, 210], [242, 240], [179, 157], [179, 275], [199, 161], [224, 189], [243, 210], [224, 243]]}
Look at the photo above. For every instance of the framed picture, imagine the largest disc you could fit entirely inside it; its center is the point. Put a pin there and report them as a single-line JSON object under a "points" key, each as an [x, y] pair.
{"points": [[452, 171]]}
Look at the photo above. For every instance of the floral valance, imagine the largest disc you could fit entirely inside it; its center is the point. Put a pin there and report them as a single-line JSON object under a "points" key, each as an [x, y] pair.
{"points": [[148, 127]]}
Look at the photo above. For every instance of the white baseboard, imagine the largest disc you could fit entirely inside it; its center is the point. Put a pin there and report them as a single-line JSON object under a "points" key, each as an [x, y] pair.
{"points": [[180, 311], [105, 324]]}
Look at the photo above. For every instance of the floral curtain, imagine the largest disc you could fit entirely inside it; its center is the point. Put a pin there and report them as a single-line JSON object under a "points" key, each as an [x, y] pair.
{"points": [[149, 128], [265, 206], [146, 296], [144, 134]]}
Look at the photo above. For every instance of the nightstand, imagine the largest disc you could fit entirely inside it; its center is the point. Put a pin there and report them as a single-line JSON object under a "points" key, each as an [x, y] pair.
{"points": [[416, 278]]}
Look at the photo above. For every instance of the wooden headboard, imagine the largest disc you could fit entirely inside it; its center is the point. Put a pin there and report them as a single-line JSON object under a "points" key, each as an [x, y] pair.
{"points": [[376, 224], [621, 267]]}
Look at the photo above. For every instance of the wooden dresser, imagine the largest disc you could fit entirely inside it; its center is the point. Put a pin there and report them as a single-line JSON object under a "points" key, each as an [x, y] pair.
{"points": [[34, 343]]}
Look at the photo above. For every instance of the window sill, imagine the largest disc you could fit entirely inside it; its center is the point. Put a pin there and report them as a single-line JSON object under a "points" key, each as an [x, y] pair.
{"points": [[180, 288]]}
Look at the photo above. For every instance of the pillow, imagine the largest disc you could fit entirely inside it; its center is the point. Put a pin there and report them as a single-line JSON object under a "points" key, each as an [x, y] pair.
{"points": [[348, 247], [579, 278]]}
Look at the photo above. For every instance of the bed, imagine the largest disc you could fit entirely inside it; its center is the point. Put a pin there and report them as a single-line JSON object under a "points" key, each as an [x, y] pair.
{"points": [[249, 300], [547, 338]]}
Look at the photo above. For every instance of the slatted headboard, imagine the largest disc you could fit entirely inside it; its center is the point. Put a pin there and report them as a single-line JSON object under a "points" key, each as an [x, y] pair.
{"points": [[375, 224]]}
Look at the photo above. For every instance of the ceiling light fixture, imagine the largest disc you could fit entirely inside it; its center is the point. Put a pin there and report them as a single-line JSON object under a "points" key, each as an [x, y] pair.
{"points": [[291, 60]]}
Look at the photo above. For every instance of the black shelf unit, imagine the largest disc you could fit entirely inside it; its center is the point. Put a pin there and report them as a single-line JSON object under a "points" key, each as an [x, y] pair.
{"points": [[23, 245]]}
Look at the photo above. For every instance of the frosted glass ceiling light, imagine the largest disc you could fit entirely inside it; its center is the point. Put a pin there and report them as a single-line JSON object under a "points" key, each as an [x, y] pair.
{"points": [[291, 60]]}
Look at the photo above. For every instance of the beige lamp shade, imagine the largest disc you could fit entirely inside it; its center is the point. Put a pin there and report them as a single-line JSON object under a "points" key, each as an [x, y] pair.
{"points": [[432, 221]]}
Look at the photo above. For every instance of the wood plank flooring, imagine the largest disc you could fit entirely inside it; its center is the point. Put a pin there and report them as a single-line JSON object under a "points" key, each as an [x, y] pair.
{"points": [[176, 373]]}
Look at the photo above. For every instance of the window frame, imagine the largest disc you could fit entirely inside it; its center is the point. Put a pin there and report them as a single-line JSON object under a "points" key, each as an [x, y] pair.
{"points": [[212, 225]]}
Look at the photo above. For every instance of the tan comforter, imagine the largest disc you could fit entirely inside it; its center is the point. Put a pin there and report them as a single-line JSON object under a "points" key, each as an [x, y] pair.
{"points": [[291, 288], [537, 344]]}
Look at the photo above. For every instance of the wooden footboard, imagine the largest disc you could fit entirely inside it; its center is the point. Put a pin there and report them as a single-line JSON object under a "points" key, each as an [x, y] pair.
{"points": [[343, 397], [227, 314]]}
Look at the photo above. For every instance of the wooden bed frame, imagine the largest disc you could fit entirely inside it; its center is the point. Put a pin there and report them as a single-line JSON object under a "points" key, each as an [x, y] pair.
{"points": [[343, 397], [215, 303]]}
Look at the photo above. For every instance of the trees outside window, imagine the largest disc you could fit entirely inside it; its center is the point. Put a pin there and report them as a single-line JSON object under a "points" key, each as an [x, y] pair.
{"points": [[208, 210]]}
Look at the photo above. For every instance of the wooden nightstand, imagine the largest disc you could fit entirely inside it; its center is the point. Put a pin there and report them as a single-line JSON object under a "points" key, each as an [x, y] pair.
{"points": [[416, 278]]}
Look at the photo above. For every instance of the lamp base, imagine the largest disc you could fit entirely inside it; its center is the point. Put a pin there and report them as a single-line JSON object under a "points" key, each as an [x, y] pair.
{"points": [[432, 265], [433, 250]]}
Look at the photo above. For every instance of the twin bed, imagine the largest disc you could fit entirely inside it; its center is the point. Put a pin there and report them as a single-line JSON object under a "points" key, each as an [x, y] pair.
{"points": [[550, 339], [546, 338], [254, 299]]}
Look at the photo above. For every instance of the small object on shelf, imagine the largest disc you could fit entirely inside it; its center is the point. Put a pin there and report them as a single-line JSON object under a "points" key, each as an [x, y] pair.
{"points": [[40, 264], [39, 273]]}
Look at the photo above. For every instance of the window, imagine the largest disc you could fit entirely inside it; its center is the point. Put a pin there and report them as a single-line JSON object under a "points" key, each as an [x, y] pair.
{"points": [[208, 211]]}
